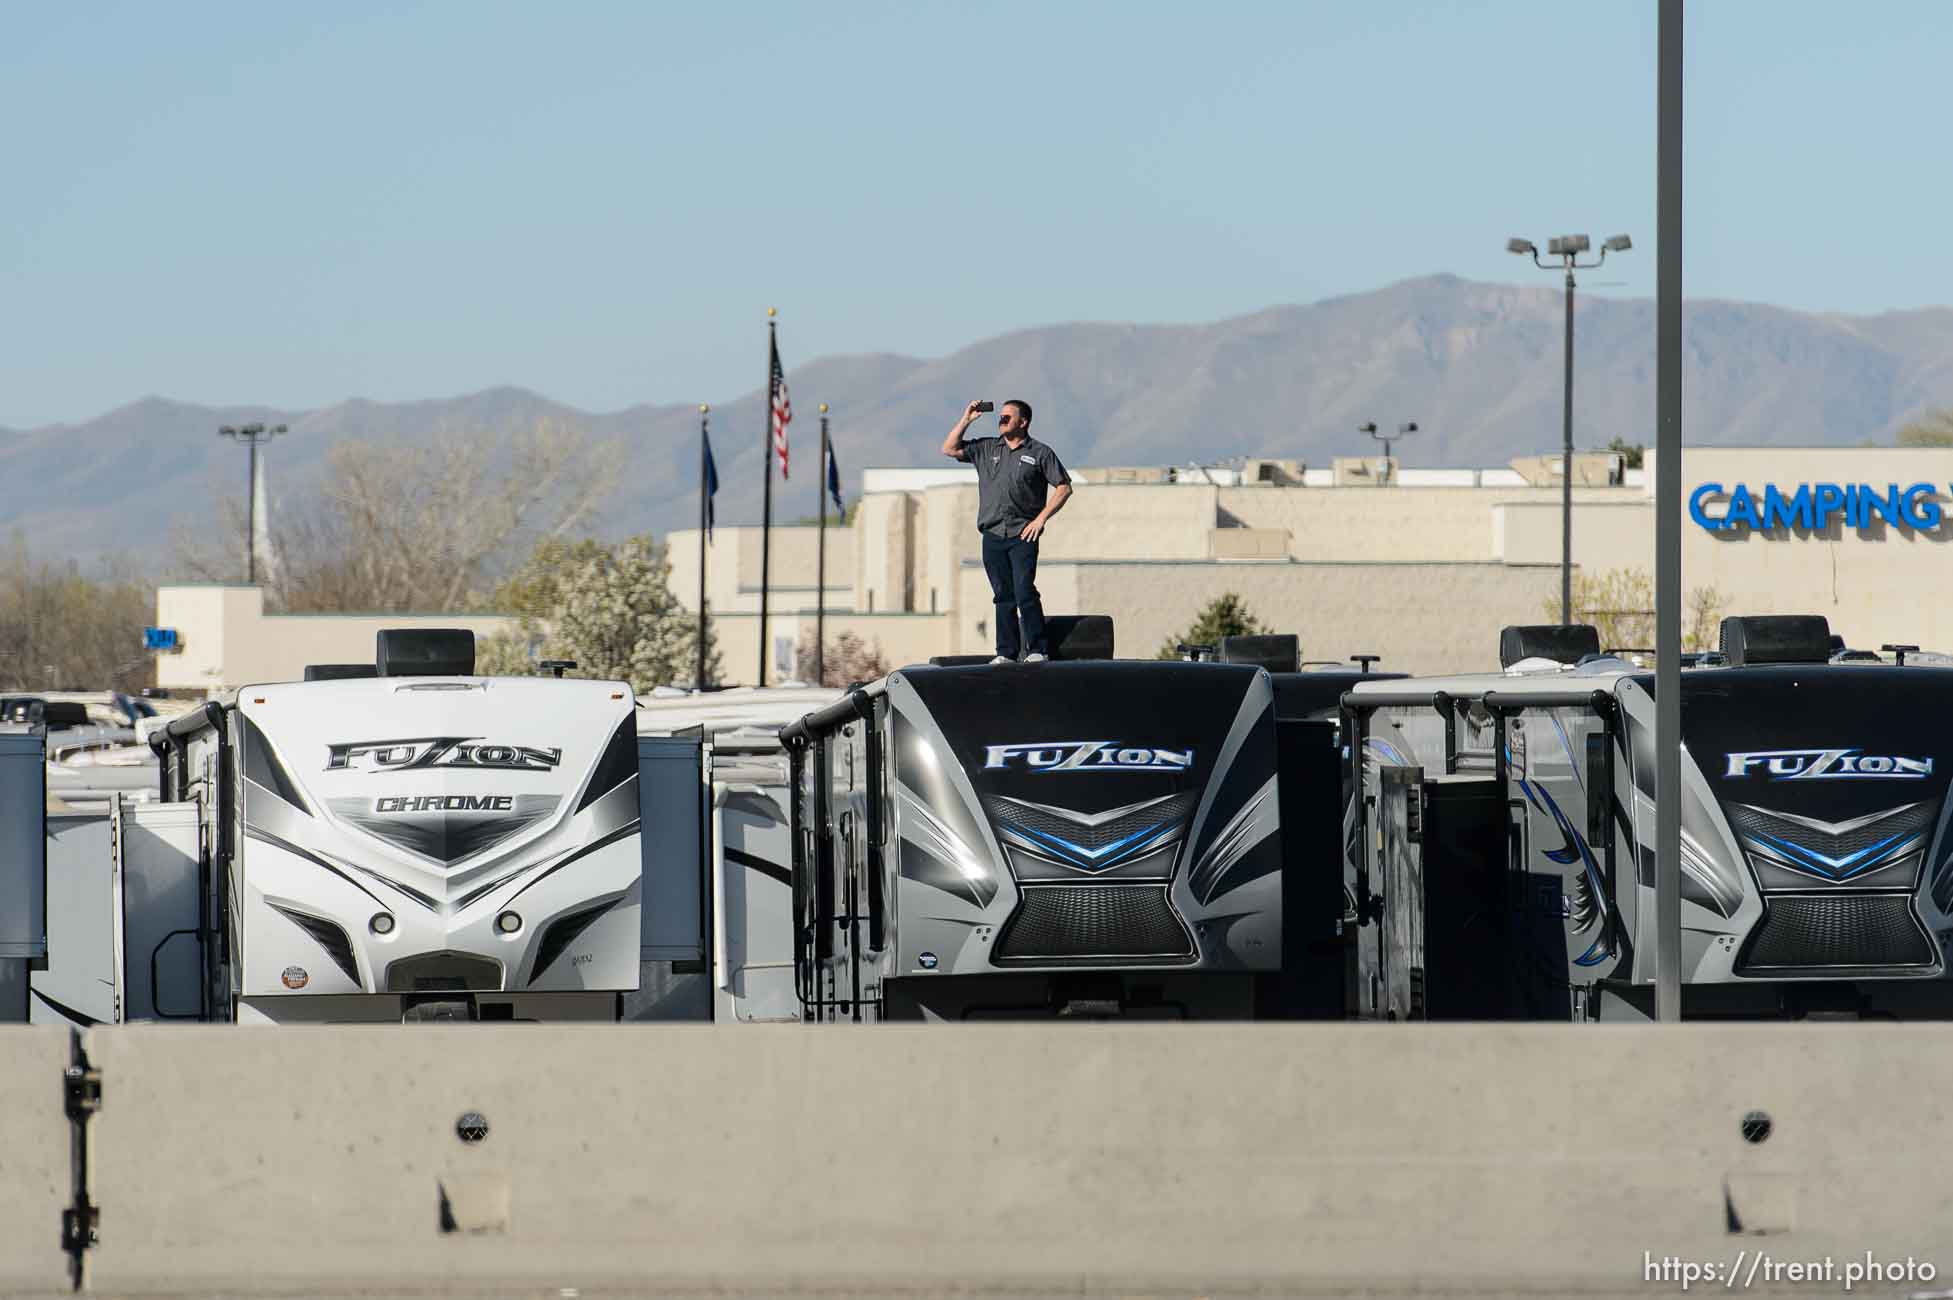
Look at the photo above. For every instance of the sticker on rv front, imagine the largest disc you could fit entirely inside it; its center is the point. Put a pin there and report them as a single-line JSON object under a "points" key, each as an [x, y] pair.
{"points": [[1088, 756], [1827, 765], [421, 752]]}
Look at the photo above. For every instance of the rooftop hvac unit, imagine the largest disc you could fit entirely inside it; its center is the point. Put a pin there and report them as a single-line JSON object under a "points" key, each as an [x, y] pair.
{"points": [[1562, 643], [424, 652], [1776, 639]]}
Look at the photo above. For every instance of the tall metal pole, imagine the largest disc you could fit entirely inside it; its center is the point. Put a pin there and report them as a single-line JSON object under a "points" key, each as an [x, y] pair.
{"points": [[704, 508], [820, 569], [251, 435], [1668, 518], [766, 517], [251, 517], [1566, 467]]}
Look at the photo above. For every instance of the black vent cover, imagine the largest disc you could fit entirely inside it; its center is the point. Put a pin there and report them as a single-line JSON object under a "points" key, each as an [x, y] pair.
{"points": [[1079, 636], [1776, 639], [1806, 932], [328, 936], [1086, 922], [1278, 654], [339, 672], [424, 652], [1566, 644]]}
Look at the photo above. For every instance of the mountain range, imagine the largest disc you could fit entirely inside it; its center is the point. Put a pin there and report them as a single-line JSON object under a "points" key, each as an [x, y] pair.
{"points": [[1476, 365]]}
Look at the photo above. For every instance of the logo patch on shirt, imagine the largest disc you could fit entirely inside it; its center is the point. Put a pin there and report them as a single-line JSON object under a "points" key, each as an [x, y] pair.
{"points": [[1029, 460]]}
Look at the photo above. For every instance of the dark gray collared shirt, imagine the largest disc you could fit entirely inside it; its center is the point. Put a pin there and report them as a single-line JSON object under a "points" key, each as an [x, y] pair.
{"points": [[1011, 485]]}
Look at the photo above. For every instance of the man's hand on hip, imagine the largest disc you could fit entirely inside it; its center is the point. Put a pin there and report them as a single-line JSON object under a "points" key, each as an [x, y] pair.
{"points": [[1032, 530]]}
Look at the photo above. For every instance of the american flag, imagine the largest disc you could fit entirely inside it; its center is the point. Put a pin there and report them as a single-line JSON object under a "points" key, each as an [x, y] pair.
{"points": [[782, 409]]}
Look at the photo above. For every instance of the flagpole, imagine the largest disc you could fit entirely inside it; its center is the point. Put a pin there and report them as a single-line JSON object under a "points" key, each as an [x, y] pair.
{"points": [[820, 569], [766, 507], [704, 507]]}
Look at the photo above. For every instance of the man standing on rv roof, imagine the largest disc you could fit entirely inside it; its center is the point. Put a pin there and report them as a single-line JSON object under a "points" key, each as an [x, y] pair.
{"points": [[1021, 483]]}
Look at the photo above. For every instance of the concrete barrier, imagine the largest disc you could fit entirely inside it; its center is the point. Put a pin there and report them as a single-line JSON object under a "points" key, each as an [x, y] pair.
{"points": [[1448, 1158], [35, 1182]]}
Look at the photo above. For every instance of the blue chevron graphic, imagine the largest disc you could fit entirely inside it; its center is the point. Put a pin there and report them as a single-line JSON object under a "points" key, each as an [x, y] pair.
{"points": [[1101, 857], [1866, 859]]}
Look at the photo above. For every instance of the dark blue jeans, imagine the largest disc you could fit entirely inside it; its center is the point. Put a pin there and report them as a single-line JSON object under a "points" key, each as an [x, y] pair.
{"points": [[1012, 564]]}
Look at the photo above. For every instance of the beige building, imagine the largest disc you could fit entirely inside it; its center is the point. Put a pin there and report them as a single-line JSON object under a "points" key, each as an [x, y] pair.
{"points": [[1420, 567], [225, 639]]}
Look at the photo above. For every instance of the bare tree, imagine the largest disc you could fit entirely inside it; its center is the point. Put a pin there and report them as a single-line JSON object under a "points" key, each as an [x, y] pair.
{"points": [[1931, 429], [1620, 603], [420, 529], [63, 630]]}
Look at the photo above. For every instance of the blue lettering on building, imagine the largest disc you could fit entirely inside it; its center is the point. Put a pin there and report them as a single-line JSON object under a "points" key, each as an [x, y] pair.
{"points": [[1813, 506]]}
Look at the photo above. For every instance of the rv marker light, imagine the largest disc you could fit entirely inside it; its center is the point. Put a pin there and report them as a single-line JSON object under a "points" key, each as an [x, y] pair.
{"points": [[381, 923], [508, 923]]}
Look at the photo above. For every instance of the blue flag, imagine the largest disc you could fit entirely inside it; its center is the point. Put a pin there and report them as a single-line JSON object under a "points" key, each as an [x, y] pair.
{"points": [[711, 484], [834, 481]]}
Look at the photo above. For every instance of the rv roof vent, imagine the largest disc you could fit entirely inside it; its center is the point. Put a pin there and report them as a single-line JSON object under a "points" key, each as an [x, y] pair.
{"points": [[424, 652], [1079, 636], [338, 672], [1776, 639], [1278, 654], [1562, 643]]}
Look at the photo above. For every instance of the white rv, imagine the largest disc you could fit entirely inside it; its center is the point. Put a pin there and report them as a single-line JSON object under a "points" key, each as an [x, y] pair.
{"points": [[413, 842], [746, 841]]}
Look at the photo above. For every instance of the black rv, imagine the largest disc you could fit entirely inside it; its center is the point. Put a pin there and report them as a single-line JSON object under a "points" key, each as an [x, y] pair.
{"points": [[1504, 864], [1067, 838]]}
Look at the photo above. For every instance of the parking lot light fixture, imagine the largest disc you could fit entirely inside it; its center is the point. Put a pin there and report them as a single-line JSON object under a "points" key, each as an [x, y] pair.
{"points": [[1567, 248]]}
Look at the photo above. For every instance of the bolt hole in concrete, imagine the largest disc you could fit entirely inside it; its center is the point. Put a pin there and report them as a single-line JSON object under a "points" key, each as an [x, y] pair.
{"points": [[1756, 1126], [473, 1127]]}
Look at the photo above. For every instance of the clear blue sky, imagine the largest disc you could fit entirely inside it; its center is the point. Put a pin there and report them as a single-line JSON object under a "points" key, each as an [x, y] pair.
{"points": [[294, 204]]}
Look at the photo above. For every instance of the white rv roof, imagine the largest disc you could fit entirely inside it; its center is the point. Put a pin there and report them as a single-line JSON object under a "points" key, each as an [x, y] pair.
{"points": [[742, 709], [1543, 676]]}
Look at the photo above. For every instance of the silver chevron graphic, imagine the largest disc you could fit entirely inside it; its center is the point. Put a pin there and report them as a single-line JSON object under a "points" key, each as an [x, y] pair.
{"points": [[1258, 819]]}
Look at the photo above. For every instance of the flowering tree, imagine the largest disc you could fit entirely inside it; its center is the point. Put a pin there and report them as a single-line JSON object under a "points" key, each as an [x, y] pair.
{"points": [[610, 609]]}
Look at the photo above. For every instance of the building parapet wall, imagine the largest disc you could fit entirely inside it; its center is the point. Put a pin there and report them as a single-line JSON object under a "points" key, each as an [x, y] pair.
{"points": [[229, 641]]}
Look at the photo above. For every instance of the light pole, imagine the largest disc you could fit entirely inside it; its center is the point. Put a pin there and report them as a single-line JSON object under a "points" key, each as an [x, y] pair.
{"points": [[251, 435], [705, 476], [1568, 249], [820, 567], [1403, 431]]}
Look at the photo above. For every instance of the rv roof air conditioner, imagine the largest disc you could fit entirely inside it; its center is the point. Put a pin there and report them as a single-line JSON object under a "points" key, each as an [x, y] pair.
{"points": [[338, 672], [1079, 636], [1562, 643], [1278, 654], [424, 652], [1776, 639]]}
